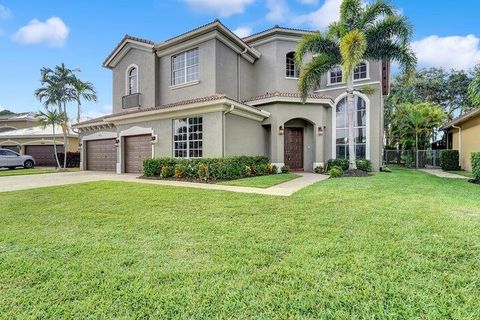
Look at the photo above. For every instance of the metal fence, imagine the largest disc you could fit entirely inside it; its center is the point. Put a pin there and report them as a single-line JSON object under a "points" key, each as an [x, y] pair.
{"points": [[412, 158]]}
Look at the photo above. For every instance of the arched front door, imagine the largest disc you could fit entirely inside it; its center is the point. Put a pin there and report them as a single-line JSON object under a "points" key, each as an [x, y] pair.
{"points": [[293, 148]]}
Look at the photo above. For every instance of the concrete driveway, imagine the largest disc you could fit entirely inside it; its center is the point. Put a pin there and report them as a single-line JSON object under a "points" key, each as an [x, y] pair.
{"points": [[15, 183]]}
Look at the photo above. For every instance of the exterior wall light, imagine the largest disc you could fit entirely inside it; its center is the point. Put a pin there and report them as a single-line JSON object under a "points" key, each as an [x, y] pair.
{"points": [[320, 130], [117, 142], [154, 139], [280, 130]]}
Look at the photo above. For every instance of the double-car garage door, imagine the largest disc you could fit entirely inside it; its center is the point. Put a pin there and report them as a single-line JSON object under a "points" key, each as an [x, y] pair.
{"points": [[102, 154], [44, 155]]}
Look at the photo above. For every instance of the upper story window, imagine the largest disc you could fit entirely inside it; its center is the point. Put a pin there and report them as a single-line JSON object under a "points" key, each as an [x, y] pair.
{"points": [[132, 80], [185, 67], [361, 72], [291, 69], [336, 75]]}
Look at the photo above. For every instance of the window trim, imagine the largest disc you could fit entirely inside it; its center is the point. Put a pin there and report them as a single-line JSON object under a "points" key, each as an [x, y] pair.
{"points": [[368, 72], [296, 70], [329, 76], [186, 83], [187, 141], [367, 124], [127, 79], [329, 83]]}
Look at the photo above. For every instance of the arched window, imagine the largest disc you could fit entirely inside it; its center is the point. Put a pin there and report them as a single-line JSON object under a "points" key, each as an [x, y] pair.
{"points": [[335, 75], [361, 71], [360, 129], [291, 69], [132, 80]]}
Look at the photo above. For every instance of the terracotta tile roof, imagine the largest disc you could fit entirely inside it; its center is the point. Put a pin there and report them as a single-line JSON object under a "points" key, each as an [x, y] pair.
{"points": [[192, 30], [468, 114], [93, 120], [285, 95], [120, 44], [275, 27]]}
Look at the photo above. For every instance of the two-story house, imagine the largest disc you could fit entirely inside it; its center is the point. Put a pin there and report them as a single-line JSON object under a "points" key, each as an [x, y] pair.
{"points": [[209, 93]]}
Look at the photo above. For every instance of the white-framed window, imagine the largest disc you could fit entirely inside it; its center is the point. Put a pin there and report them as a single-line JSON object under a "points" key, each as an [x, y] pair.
{"points": [[291, 68], [361, 71], [335, 75], [188, 137], [132, 80], [360, 128], [185, 67]]}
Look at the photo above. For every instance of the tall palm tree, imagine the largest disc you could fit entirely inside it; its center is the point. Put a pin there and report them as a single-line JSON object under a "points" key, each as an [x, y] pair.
{"points": [[375, 31], [83, 90], [57, 91], [474, 91], [52, 118]]}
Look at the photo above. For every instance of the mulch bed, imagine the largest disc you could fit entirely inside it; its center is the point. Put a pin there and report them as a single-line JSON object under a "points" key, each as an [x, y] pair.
{"points": [[355, 173]]}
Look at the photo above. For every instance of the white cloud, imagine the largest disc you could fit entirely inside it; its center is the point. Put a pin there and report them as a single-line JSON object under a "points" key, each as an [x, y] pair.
{"points": [[5, 13], [456, 52], [243, 32], [322, 17], [278, 10], [52, 32], [222, 7], [91, 114]]}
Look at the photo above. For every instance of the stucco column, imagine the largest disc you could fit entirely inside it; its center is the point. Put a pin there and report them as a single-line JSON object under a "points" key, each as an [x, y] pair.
{"points": [[276, 145], [319, 145]]}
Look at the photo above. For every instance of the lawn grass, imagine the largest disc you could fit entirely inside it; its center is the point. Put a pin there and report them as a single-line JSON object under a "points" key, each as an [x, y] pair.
{"points": [[462, 173], [22, 172], [262, 181], [398, 245]]}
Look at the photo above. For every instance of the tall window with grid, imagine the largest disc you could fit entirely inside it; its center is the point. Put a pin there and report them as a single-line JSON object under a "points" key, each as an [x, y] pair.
{"points": [[185, 67], [188, 138], [360, 128]]}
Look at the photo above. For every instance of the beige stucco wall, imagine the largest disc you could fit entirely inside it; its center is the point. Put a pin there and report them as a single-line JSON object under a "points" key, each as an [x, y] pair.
{"points": [[72, 142], [245, 137], [470, 140]]}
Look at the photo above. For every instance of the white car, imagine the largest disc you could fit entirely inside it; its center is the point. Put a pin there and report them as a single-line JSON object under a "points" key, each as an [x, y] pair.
{"points": [[10, 159]]}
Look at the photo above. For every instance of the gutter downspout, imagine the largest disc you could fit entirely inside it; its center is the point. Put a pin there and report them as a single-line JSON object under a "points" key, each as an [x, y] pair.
{"points": [[459, 144], [224, 140]]}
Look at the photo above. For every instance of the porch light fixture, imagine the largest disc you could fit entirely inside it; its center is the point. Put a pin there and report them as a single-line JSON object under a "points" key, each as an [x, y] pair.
{"points": [[280, 130], [321, 130], [154, 139], [80, 144], [117, 142]]}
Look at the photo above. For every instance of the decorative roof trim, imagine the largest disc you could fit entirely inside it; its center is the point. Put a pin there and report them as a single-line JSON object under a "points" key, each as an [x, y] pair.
{"points": [[465, 117], [277, 96], [275, 30], [107, 63]]}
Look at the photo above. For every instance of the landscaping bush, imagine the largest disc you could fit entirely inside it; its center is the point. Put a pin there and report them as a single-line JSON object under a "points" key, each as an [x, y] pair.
{"points": [[73, 159], [364, 165], [206, 168], [342, 163], [166, 172], [408, 160], [285, 169], [272, 169], [475, 159], [449, 160], [318, 169], [335, 172]]}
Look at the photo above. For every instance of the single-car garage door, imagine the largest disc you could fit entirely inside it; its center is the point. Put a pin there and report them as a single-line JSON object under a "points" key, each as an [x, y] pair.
{"points": [[137, 148], [101, 155], [44, 155]]}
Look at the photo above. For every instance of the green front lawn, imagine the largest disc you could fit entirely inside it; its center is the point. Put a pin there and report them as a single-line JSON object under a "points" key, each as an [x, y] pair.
{"points": [[398, 245], [462, 173], [21, 172], [262, 181]]}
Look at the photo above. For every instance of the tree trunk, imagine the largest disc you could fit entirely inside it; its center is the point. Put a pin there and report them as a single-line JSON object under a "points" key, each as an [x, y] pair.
{"points": [[78, 111], [350, 122], [55, 148], [416, 149], [65, 137]]}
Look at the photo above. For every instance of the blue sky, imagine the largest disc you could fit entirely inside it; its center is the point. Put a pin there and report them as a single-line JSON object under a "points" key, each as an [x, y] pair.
{"points": [[82, 33]]}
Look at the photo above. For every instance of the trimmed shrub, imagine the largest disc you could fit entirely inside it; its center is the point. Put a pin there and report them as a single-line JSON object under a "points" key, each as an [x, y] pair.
{"points": [[342, 163], [166, 172], [73, 159], [206, 168], [271, 168], [318, 169], [449, 160], [335, 172], [364, 165], [285, 169], [179, 171], [475, 158]]}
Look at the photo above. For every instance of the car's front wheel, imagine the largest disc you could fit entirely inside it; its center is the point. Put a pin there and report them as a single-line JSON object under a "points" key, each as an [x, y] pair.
{"points": [[28, 164]]}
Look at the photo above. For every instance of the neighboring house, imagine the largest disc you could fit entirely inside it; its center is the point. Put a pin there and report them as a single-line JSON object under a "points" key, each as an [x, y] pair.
{"points": [[38, 143], [17, 121], [209, 93], [463, 134]]}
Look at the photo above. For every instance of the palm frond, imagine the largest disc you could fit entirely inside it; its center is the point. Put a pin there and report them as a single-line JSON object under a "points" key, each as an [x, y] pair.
{"points": [[394, 28], [336, 30], [312, 72], [400, 53], [315, 43], [474, 91], [374, 11], [352, 49], [349, 13]]}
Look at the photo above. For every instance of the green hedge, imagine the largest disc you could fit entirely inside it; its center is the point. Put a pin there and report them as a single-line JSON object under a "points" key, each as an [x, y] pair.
{"points": [[449, 160], [475, 158], [208, 168], [362, 164]]}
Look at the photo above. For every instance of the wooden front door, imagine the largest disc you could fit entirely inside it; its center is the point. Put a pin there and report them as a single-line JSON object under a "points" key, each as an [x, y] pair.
{"points": [[293, 149]]}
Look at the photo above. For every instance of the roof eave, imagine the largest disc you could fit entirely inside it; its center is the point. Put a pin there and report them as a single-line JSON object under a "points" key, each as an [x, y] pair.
{"points": [[108, 63]]}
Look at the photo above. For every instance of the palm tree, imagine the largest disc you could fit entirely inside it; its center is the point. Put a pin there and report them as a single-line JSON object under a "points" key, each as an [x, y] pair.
{"points": [[375, 31], [474, 91], [57, 91], [83, 90], [52, 118]]}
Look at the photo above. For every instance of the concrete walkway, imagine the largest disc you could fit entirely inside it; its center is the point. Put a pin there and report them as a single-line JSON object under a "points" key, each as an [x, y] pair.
{"points": [[442, 174], [14, 183]]}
